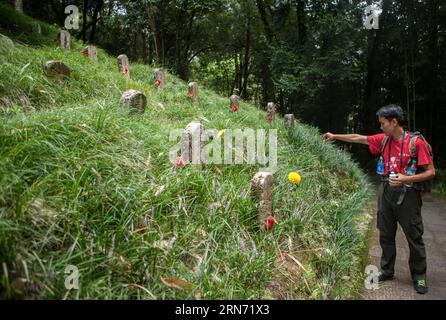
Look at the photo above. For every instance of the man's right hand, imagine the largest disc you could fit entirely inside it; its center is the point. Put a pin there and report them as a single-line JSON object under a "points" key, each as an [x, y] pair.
{"points": [[329, 137]]}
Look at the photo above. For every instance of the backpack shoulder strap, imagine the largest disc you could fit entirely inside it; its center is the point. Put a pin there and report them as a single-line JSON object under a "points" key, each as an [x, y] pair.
{"points": [[412, 141], [413, 137], [383, 144]]}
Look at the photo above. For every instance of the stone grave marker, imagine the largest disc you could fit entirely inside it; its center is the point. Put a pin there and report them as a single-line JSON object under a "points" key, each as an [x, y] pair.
{"points": [[134, 100], [124, 66], [234, 102], [6, 42], [193, 90], [262, 192], [37, 28], [192, 142], [90, 52], [289, 120], [65, 40], [271, 110], [57, 70], [18, 5], [158, 75]]}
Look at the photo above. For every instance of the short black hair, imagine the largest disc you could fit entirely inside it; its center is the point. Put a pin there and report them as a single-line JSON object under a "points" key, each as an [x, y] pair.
{"points": [[392, 111]]}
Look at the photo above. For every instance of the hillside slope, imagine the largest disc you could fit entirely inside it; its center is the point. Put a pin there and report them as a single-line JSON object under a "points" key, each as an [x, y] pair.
{"points": [[81, 182]]}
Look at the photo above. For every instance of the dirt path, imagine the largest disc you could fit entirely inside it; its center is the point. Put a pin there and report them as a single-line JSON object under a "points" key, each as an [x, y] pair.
{"points": [[434, 219]]}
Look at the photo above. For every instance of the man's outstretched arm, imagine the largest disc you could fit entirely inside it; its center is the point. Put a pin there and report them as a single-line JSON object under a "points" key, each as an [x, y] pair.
{"points": [[352, 138]]}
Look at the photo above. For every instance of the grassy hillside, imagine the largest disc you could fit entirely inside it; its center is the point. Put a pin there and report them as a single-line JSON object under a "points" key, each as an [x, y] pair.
{"points": [[79, 177]]}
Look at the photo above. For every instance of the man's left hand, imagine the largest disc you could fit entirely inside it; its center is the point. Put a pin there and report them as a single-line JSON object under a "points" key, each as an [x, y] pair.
{"points": [[400, 180]]}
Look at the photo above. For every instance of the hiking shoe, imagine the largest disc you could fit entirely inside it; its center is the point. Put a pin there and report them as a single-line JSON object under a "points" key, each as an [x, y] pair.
{"points": [[383, 277], [420, 286]]}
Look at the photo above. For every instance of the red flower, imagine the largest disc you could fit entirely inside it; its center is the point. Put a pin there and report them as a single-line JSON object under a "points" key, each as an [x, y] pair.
{"points": [[158, 83], [125, 70], [179, 162], [85, 52], [191, 94], [234, 108], [270, 221], [269, 119]]}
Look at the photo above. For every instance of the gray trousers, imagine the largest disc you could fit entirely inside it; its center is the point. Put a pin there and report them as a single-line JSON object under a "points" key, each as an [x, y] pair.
{"points": [[408, 215]]}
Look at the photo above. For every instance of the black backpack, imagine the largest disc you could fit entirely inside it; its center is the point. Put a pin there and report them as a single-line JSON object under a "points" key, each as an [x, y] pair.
{"points": [[425, 186]]}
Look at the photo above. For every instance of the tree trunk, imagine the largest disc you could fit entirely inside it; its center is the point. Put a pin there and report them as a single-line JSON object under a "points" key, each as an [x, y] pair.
{"points": [[244, 93], [97, 9], [267, 83], [263, 16], [144, 47], [301, 27], [371, 91], [84, 22]]}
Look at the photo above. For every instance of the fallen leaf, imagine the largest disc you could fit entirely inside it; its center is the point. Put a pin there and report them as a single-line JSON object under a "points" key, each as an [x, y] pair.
{"points": [[19, 284], [176, 283], [218, 170], [159, 191]]}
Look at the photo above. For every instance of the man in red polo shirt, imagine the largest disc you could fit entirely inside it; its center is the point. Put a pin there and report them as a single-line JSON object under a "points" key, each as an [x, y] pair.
{"points": [[399, 199]]}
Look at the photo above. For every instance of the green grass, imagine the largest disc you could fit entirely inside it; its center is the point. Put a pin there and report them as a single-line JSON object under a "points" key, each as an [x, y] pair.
{"points": [[78, 182], [440, 182]]}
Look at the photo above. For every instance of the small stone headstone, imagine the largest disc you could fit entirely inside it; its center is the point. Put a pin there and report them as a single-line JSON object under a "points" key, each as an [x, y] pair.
{"points": [[37, 28], [57, 70], [6, 42], [124, 66], [90, 52], [192, 143], [234, 102], [134, 100], [158, 76], [193, 90], [65, 40], [271, 110], [262, 192], [289, 120], [18, 4]]}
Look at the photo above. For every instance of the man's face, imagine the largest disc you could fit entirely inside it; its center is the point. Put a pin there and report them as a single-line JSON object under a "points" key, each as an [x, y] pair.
{"points": [[388, 126]]}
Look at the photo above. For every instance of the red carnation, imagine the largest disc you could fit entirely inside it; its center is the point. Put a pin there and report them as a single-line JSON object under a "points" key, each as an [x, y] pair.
{"points": [[158, 83], [270, 221], [179, 162], [125, 70], [234, 108]]}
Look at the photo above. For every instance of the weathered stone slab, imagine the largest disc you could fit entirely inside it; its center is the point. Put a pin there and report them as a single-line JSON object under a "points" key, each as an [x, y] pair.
{"points": [[134, 100], [6, 42], [193, 90], [289, 120], [90, 52], [192, 142], [271, 110], [158, 75], [57, 70], [65, 40], [262, 192], [124, 65], [234, 102]]}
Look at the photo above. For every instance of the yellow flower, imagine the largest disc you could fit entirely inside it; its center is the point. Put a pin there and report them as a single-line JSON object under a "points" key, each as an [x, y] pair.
{"points": [[294, 177], [220, 133]]}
